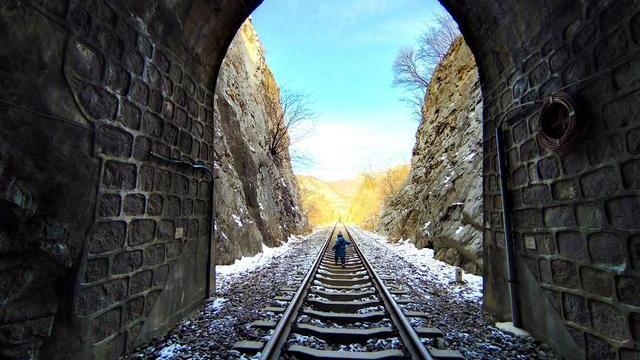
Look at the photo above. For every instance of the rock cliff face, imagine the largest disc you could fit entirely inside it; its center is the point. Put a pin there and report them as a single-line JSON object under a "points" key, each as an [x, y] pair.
{"points": [[257, 197], [440, 205]]}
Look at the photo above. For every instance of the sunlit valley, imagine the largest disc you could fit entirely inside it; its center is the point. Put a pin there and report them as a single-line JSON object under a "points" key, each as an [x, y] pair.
{"points": [[356, 201]]}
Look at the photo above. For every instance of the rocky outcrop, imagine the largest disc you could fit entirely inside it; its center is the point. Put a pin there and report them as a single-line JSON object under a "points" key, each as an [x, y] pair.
{"points": [[440, 205], [257, 199]]}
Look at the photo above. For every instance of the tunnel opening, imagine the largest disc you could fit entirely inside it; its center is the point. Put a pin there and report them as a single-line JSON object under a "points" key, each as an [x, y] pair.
{"points": [[463, 222]]}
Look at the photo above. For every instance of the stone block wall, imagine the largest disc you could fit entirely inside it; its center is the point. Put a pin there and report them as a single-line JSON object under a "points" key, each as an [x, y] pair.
{"points": [[576, 216], [150, 215], [102, 244]]}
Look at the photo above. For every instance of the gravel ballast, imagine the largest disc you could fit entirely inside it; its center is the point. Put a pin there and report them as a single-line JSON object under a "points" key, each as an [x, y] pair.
{"points": [[242, 292], [456, 309], [249, 286]]}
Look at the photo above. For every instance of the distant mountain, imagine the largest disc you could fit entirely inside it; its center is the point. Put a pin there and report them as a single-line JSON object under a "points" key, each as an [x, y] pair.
{"points": [[356, 201], [345, 188], [321, 201]]}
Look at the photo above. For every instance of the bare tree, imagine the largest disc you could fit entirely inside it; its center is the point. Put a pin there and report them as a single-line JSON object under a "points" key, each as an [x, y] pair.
{"points": [[368, 177], [294, 123], [410, 72], [415, 101], [306, 192], [434, 43], [413, 68], [302, 158], [392, 182]]}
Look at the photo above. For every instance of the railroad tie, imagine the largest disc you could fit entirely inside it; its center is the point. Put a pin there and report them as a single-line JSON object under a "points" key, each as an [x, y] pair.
{"points": [[344, 306]]}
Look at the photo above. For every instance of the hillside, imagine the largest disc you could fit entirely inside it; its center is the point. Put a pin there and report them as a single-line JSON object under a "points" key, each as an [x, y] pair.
{"points": [[440, 206], [345, 188], [321, 202], [256, 195], [355, 201]]}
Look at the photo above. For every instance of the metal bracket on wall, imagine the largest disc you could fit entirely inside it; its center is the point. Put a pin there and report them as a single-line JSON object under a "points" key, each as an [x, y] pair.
{"points": [[506, 219]]}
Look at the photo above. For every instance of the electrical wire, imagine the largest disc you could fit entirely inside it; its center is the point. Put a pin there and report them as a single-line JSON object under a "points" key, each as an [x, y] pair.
{"points": [[592, 77], [194, 165], [90, 129], [213, 245], [570, 134], [601, 73], [506, 112], [516, 107], [74, 124]]}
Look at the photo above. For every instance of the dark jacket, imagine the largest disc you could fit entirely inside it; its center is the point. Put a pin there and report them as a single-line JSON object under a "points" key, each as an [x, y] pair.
{"points": [[341, 246]]}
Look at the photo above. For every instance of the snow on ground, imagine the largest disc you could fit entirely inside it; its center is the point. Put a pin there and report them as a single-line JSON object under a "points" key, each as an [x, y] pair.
{"points": [[170, 352], [250, 284], [434, 269], [228, 274], [248, 263], [509, 328], [456, 309], [243, 289], [216, 305]]}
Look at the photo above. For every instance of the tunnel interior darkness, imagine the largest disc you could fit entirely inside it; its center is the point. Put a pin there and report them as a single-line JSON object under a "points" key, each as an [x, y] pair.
{"points": [[145, 71]]}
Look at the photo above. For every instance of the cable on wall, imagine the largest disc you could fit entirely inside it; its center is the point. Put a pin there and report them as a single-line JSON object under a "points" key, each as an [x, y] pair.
{"points": [[210, 285], [557, 122]]}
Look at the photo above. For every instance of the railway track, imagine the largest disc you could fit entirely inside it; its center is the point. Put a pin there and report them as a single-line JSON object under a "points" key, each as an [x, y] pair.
{"points": [[348, 312]]}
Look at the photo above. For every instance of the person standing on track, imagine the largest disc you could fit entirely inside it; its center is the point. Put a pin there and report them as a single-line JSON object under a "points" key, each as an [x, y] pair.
{"points": [[341, 249]]}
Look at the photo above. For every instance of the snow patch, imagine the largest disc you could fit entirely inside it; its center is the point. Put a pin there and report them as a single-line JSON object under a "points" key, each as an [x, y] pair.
{"points": [[510, 329], [237, 219], [170, 352], [248, 263], [436, 270], [470, 156], [217, 305], [294, 239]]}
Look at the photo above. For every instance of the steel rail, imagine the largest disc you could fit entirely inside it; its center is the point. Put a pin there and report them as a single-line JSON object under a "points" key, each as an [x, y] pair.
{"points": [[409, 337], [273, 347]]}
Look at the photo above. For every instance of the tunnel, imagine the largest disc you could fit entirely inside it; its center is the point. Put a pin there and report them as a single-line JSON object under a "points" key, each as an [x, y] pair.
{"points": [[98, 255]]}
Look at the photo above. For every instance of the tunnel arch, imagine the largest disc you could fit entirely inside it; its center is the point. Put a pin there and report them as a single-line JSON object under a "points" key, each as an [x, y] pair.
{"points": [[576, 214]]}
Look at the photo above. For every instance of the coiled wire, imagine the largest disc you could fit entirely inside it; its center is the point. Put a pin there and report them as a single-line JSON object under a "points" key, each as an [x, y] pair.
{"points": [[560, 106]]}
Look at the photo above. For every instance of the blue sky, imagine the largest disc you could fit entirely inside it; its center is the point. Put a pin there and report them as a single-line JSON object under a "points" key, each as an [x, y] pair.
{"points": [[341, 53]]}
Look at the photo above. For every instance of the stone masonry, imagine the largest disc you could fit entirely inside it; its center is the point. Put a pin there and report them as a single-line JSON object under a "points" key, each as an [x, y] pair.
{"points": [[576, 215], [103, 245], [148, 213]]}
